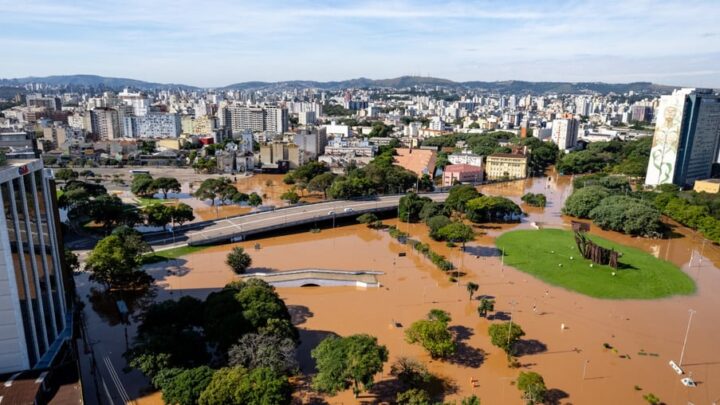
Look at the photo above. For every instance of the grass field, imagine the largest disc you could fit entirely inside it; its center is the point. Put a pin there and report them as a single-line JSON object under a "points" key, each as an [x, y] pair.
{"points": [[639, 276], [170, 254]]}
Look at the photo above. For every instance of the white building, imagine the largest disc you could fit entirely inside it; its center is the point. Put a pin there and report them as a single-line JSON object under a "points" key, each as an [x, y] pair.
{"points": [[565, 133], [34, 317], [466, 158], [158, 125], [139, 102]]}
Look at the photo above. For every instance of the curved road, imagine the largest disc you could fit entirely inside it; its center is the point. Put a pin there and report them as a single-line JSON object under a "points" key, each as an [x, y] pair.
{"points": [[237, 228]]}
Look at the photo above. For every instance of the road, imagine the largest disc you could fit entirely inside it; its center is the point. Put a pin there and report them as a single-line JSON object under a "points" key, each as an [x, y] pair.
{"points": [[238, 228]]}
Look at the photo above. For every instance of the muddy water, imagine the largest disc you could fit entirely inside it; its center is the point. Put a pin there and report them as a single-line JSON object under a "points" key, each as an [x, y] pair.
{"points": [[269, 186], [575, 365]]}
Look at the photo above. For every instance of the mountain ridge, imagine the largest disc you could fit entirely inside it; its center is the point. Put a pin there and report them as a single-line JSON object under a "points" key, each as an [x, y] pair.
{"points": [[81, 81]]}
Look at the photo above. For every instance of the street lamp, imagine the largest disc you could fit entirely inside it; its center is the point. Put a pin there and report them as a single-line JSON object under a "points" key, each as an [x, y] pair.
{"points": [[687, 332]]}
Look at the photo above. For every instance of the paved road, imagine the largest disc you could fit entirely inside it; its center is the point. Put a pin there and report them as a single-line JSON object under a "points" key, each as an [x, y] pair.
{"points": [[242, 226]]}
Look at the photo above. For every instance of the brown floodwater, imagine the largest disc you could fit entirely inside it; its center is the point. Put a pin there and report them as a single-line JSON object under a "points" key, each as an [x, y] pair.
{"points": [[268, 186], [644, 334]]}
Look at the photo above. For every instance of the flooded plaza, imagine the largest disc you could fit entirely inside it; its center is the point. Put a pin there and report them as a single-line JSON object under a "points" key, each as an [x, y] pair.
{"points": [[643, 335]]}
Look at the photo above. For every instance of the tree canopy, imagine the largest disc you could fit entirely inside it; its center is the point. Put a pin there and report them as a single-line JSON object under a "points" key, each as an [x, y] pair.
{"points": [[344, 362]]}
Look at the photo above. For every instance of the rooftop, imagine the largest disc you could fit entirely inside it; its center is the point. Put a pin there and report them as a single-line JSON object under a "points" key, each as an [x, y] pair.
{"points": [[462, 168]]}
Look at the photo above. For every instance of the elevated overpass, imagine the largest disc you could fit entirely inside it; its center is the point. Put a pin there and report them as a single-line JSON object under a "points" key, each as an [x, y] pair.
{"points": [[238, 228]]}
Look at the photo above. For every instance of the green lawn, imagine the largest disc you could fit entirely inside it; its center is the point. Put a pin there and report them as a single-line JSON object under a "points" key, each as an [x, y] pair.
{"points": [[170, 254], [639, 276]]}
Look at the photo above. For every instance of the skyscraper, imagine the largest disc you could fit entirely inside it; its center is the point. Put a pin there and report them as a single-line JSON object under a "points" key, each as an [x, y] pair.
{"points": [[687, 138], [565, 133], [34, 317]]}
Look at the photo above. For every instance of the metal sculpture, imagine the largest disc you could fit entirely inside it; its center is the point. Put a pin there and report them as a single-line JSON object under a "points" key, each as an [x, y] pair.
{"points": [[591, 251]]}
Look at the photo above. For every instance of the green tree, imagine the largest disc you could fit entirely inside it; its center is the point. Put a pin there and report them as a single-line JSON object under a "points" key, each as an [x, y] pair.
{"points": [[459, 195], [410, 373], [532, 386], [251, 306], [186, 387], [344, 362], [413, 396], [182, 213], [237, 385], [142, 185], [87, 173], [505, 335], [309, 170], [109, 211], [535, 200], [290, 196], [238, 260], [471, 400], [433, 335], [321, 182], [486, 305], [215, 188], [472, 288], [368, 219], [410, 206], [157, 214], [582, 201], [456, 232], [491, 208], [254, 199], [66, 174], [71, 260], [116, 264], [271, 351], [166, 185], [435, 224]]}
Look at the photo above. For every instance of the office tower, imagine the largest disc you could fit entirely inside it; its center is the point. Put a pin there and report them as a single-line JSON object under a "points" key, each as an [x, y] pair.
{"points": [[139, 102], [158, 125], [34, 317], [276, 119], [105, 123], [642, 113], [565, 133], [686, 139]]}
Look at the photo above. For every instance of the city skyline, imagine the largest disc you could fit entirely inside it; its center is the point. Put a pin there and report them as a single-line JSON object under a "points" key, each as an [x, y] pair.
{"points": [[215, 44]]}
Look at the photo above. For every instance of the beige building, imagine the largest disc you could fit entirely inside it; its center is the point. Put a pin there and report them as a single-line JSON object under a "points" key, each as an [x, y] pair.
{"points": [[506, 166], [711, 186], [273, 152]]}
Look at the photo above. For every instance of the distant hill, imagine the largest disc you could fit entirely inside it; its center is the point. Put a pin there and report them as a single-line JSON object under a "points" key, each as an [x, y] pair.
{"points": [[404, 82], [93, 81]]}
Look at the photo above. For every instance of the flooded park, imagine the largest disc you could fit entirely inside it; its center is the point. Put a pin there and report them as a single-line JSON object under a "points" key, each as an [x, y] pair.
{"points": [[589, 350]]}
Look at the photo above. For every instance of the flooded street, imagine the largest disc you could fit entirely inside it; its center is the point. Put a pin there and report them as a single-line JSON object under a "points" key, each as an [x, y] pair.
{"points": [[643, 334]]}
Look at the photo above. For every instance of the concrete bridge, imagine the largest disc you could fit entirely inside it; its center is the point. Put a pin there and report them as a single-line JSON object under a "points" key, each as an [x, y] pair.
{"points": [[319, 277], [238, 228]]}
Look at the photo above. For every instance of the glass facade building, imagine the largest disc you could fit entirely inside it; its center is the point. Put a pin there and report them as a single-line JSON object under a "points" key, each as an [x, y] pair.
{"points": [[33, 307]]}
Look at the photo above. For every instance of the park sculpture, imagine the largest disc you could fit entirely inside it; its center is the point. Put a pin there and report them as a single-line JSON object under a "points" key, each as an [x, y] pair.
{"points": [[590, 250]]}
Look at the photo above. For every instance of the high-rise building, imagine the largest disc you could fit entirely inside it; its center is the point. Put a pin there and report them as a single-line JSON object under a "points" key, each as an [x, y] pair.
{"points": [[276, 119], [565, 133], [105, 123], [158, 125], [34, 316], [687, 138]]}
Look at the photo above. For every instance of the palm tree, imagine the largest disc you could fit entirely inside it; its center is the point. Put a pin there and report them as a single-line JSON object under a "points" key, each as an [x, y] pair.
{"points": [[472, 288]]}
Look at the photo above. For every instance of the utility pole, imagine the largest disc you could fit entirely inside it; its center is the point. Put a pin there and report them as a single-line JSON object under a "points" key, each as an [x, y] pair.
{"points": [[687, 332]]}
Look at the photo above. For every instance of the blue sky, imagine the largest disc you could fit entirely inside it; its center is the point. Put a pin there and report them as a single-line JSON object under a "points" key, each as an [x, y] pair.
{"points": [[213, 43]]}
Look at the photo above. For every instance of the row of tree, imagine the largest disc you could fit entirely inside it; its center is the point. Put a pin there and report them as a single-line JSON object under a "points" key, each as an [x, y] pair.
{"points": [[629, 158], [222, 190]]}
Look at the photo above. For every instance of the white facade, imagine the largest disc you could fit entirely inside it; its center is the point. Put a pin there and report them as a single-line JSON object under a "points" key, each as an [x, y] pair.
{"points": [[565, 133], [32, 300], [158, 125], [466, 159]]}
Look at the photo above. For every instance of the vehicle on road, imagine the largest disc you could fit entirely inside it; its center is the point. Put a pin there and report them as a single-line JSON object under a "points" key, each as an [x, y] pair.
{"points": [[348, 210]]}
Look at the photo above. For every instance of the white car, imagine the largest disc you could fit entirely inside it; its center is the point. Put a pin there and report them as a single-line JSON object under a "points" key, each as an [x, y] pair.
{"points": [[348, 210], [688, 382]]}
